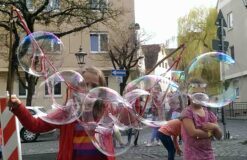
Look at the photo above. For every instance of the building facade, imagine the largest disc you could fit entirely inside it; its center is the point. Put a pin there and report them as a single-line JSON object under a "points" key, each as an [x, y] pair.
{"points": [[235, 13], [95, 41]]}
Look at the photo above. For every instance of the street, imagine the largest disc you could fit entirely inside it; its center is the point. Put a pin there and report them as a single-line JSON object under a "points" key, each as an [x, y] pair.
{"points": [[232, 149]]}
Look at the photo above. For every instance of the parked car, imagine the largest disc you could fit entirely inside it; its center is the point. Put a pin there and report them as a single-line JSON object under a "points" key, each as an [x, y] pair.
{"points": [[28, 136]]}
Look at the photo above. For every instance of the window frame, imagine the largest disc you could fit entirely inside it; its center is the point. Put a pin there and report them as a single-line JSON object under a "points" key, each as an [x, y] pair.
{"points": [[232, 52], [107, 81], [22, 96], [46, 94], [237, 92], [99, 49], [30, 5], [237, 88], [230, 20], [94, 5], [54, 5]]}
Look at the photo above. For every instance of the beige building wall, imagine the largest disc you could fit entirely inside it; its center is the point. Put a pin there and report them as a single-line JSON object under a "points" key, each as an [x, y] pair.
{"points": [[73, 42]]}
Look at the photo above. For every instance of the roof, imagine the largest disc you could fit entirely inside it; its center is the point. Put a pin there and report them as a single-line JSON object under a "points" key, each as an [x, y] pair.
{"points": [[151, 53]]}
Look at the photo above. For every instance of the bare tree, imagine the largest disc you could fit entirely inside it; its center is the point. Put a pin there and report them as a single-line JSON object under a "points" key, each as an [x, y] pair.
{"points": [[75, 15], [123, 52]]}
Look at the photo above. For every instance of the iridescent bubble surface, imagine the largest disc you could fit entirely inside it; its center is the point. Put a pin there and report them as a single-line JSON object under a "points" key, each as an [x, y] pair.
{"points": [[40, 53], [208, 82], [61, 95], [106, 116], [157, 108]]}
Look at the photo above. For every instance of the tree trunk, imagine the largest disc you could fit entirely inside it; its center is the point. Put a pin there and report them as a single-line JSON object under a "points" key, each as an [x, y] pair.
{"points": [[31, 89], [123, 84]]}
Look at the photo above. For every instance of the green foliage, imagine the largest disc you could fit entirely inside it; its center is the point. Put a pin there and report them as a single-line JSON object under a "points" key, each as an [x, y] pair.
{"points": [[197, 30]]}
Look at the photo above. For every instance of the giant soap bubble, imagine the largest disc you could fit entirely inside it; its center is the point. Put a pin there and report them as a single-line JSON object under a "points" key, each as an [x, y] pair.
{"points": [[209, 80], [40, 53], [61, 108], [106, 116], [157, 108]]}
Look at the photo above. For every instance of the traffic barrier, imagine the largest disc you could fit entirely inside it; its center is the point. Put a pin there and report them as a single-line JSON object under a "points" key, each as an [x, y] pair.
{"points": [[11, 144]]}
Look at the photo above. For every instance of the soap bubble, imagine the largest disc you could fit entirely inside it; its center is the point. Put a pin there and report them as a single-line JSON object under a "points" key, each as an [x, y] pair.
{"points": [[40, 53], [156, 109], [61, 95], [207, 80]]}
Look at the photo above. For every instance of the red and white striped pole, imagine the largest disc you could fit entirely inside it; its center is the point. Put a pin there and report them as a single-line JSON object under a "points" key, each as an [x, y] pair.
{"points": [[11, 146]]}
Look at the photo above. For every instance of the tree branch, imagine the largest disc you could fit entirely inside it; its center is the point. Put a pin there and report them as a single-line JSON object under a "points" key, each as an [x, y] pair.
{"points": [[5, 26], [113, 59], [40, 9], [61, 34]]}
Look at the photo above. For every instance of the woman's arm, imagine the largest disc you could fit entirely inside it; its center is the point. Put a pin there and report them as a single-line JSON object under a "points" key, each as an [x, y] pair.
{"points": [[175, 142], [214, 127], [193, 131], [217, 133], [31, 123]]}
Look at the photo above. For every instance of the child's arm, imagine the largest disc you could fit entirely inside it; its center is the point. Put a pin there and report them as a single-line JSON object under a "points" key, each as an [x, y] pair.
{"points": [[175, 142], [214, 127], [193, 131]]}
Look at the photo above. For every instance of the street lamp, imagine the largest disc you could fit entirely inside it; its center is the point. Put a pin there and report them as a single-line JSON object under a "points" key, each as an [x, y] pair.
{"points": [[80, 57], [245, 3]]}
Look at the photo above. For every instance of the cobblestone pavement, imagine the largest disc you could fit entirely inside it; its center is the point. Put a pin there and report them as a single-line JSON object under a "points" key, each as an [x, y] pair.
{"points": [[232, 149]]}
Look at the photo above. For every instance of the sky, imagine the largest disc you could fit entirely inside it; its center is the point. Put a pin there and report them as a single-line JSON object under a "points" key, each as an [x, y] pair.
{"points": [[158, 18]]}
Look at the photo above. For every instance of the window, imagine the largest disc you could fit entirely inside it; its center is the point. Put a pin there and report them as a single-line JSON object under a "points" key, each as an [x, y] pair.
{"points": [[22, 90], [29, 4], [53, 5], [229, 20], [99, 42], [52, 45], [97, 4], [232, 52], [54, 90], [106, 80], [237, 91]]}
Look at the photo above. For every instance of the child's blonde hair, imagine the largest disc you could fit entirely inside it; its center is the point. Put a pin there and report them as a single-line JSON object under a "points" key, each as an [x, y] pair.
{"points": [[94, 70]]}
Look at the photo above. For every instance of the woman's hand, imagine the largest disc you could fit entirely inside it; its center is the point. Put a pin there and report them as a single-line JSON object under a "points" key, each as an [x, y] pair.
{"points": [[209, 126], [179, 151], [14, 102]]}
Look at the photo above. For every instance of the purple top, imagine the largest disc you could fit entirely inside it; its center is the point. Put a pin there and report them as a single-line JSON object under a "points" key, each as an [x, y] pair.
{"points": [[197, 149]]}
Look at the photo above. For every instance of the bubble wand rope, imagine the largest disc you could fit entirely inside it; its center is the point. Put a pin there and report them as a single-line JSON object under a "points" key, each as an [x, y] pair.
{"points": [[175, 62], [17, 11]]}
